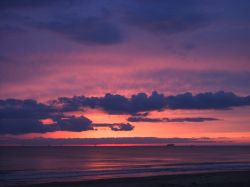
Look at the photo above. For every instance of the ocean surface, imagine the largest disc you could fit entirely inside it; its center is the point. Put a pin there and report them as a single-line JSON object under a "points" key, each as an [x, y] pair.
{"points": [[26, 165]]}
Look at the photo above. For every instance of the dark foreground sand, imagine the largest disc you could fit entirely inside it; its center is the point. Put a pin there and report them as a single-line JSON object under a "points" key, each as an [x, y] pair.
{"points": [[220, 179]]}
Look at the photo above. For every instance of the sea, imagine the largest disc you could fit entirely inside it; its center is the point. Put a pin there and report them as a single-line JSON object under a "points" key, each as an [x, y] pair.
{"points": [[31, 165]]}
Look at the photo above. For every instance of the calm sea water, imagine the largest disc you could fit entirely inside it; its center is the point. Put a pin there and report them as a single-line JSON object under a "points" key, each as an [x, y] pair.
{"points": [[22, 165]]}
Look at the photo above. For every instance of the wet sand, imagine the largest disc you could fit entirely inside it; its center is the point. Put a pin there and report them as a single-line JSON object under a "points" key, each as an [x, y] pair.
{"points": [[220, 179]]}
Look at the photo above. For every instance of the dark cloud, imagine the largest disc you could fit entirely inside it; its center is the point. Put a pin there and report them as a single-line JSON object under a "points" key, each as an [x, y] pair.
{"points": [[96, 27], [28, 108], [32, 125], [23, 126], [167, 16], [141, 102], [61, 123], [122, 127], [25, 116], [144, 119], [81, 26], [209, 100], [86, 30], [141, 114], [74, 124], [115, 104], [116, 126]]}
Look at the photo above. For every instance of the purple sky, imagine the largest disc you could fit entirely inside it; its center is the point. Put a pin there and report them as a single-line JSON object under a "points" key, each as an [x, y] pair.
{"points": [[52, 49]]}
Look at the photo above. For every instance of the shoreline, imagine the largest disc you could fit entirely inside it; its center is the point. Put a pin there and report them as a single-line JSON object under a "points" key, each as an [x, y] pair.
{"points": [[226, 178]]}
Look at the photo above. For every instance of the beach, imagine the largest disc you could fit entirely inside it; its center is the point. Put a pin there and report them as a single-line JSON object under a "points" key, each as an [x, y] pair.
{"points": [[220, 179]]}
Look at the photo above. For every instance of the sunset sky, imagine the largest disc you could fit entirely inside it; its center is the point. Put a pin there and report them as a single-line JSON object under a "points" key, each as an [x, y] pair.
{"points": [[164, 70]]}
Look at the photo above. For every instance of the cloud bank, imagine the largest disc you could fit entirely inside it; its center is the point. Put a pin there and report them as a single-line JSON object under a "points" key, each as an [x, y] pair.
{"points": [[26, 116], [141, 102]]}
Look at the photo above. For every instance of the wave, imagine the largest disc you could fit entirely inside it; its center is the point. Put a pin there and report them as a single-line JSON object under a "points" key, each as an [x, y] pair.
{"points": [[35, 176]]}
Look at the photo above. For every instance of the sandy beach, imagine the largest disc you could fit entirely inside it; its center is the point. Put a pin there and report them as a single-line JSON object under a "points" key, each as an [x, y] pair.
{"points": [[220, 179]]}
